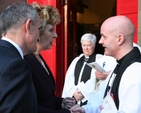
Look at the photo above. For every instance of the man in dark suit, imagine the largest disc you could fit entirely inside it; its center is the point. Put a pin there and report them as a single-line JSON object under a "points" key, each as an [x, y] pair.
{"points": [[19, 24]]}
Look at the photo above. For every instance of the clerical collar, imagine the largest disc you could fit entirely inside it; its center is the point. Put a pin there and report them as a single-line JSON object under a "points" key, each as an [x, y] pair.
{"points": [[124, 57], [86, 59], [119, 61]]}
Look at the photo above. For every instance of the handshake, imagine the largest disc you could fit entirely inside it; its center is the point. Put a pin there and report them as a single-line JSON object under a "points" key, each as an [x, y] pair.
{"points": [[70, 104]]}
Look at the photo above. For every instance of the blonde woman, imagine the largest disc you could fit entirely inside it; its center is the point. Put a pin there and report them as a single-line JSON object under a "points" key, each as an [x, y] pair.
{"points": [[42, 76]]}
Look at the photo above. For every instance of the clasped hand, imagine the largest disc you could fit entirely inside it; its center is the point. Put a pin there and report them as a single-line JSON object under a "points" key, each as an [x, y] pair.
{"points": [[68, 102], [102, 76], [77, 109], [78, 95]]}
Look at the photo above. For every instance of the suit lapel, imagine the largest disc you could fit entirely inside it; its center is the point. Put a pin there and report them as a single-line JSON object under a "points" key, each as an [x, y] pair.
{"points": [[39, 68], [51, 75]]}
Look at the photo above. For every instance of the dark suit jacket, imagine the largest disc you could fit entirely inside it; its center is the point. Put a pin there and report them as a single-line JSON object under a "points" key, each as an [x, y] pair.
{"points": [[17, 92], [45, 87]]}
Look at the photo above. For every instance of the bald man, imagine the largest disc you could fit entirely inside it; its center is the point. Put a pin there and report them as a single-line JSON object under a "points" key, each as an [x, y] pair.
{"points": [[117, 39]]}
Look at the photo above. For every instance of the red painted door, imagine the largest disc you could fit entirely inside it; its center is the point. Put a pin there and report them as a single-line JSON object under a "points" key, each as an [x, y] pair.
{"points": [[130, 9]]}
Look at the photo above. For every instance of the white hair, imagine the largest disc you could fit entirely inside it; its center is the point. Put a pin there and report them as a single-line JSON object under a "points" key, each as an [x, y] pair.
{"points": [[89, 37]]}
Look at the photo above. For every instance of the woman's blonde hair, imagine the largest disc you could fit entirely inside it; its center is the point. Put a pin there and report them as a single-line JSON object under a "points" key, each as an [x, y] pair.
{"points": [[48, 15]]}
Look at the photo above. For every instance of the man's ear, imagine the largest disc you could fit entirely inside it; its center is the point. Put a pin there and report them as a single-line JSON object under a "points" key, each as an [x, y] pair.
{"points": [[120, 39], [28, 26]]}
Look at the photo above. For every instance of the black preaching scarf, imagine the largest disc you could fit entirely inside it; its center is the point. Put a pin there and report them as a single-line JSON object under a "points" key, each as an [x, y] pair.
{"points": [[87, 70], [131, 57]]}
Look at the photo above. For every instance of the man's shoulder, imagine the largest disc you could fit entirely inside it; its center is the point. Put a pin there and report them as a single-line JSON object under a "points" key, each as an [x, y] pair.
{"points": [[9, 58], [99, 55]]}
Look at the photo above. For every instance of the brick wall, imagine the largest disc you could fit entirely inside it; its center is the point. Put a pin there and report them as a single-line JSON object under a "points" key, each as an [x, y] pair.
{"points": [[5, 3]]}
